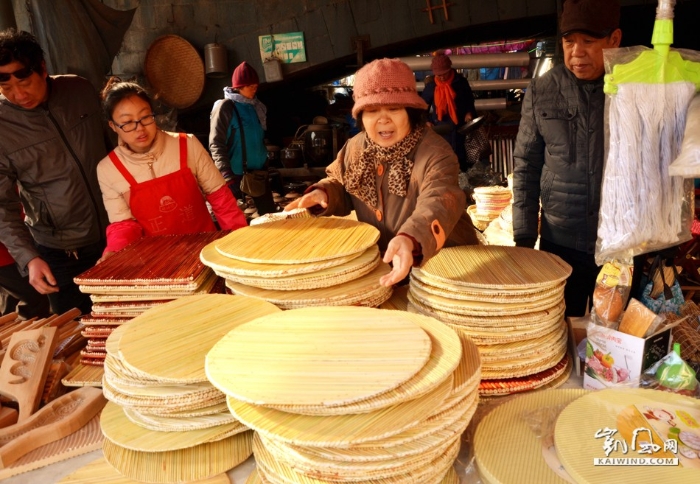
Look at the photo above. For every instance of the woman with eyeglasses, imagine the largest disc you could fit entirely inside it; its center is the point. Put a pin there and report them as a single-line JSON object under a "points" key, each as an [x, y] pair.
{"points": [[155, 182]]}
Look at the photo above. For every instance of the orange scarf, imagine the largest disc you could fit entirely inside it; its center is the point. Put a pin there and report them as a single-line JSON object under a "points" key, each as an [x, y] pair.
{"points": [[445, 98]]}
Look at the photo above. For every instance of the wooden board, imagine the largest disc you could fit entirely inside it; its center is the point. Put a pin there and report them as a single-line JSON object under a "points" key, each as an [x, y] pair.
{"points": [[506, 448], [100, 472], [169, 342], [86, 439], [497, 267], [318, 356], [25, 366], [8, 416], [298, 241], [150, 261]]}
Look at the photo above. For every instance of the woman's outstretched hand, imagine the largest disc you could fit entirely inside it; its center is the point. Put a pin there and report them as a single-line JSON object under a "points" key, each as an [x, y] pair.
{"points": [[311, 199], [400, 253]]}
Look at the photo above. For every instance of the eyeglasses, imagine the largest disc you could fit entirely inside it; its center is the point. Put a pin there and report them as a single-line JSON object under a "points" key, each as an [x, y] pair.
{"points": [[19, 74], [132, 125]]}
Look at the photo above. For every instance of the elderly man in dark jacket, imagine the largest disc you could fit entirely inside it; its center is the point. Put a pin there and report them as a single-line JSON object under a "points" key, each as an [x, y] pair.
{"points": [[559, 151]]}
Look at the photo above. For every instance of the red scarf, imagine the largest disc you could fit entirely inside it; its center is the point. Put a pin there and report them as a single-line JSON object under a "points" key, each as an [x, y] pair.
{"points": [[445, 97]]}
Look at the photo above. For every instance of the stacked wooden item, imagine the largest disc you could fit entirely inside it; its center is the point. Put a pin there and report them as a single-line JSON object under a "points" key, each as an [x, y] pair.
{"points": [[510, 302], [40, 421], [349, 394], [164, 421], [301, 262], [144, 275]]}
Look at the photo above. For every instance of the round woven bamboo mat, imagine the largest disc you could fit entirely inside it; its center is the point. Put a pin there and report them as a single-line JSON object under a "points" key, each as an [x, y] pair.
{"points": [[525, 350], [339, 430], [185, 465], [479, 292], [363, 291], [445, 359], [523, 366], [101, 472], [341, 274], [169, 343], [298, 241], [121, 431], [508, 386], [319, 356], [188, 401], [506, 448], [175, 70], [176, 424], [398, 300], [619, 409], [226, 265], [497, 267]]}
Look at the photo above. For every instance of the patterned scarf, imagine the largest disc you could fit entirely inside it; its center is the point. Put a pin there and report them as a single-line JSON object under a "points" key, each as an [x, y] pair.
{"points": [[445, 98], [360, 176]]}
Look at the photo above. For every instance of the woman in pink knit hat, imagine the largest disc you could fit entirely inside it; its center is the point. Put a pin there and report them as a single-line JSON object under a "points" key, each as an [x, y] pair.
{"points": [[396, 174]]}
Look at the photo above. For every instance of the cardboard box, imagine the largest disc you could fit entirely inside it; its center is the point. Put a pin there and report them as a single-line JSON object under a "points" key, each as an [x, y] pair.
{"points": [[618, 359]]}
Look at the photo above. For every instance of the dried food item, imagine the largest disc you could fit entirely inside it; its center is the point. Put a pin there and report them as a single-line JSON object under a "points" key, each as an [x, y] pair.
{"points": [[611, 292]]}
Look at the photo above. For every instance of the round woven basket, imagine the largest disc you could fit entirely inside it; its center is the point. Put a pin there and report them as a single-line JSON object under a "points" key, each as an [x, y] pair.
{"points": [[175, 71]]}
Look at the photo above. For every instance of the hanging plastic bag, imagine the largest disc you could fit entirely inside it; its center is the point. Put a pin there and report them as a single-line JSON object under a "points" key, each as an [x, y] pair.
{"points": [[672, 374]]}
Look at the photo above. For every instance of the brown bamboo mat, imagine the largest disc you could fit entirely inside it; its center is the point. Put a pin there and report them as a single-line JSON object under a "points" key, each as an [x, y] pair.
{"points": [[202, 283], [508, 386], [497, 267], [84, 376], [97, 320], [159, 260], [320, 356], [169, 343], [298, 241]]}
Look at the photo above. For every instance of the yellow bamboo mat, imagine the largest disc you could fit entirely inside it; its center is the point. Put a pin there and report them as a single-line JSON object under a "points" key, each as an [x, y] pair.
{"points": [[84, 376], [508, 451], [189, 402], [339, 430], [398, 300], [577, 446], [445, 357], [254, 478], [469, 292], [184, 465], [100, 472], [352, 293], [226, 265], [523, 366], [298, 241], [169, 342], [509, 386], [176, 424], [497, 267], [529, 349], [179, 412], [333, 276], [318, 356], [469, 370]]}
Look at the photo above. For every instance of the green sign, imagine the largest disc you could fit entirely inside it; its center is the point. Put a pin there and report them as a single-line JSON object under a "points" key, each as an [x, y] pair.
{"points": [[288, 48]]}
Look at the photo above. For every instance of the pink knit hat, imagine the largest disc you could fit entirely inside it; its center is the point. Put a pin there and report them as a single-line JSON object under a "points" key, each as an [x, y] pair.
{"points": [[441, 64], [385, 82], [244, 75]]}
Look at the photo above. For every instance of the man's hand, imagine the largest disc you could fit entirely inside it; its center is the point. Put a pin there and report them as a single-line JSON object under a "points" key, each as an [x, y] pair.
{"points": [[41, 277], [400, 253], [311, 199]]}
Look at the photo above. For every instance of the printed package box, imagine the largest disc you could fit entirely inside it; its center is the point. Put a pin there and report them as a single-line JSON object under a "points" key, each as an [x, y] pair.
{"points": [[619, 359]]}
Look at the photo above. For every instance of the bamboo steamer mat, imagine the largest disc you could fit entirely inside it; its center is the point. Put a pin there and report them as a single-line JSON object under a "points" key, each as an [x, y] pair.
{"points": [[161, 396], [525, 366], [339, 430], [364, 291], [212, 285], [175, 424], [469, 370], [97, 320], [184, 465], [150, 262], [175, 71], [509, 386], [181, 412], [225, 265], [496, 267], [296, 241], [508, 451], [398, 300], [121, 431], [578, 423], [319, 356], [333, 276], [101, 472], [523, 350], [169, 342], [445, 359], [84, 376], [173, 290]]}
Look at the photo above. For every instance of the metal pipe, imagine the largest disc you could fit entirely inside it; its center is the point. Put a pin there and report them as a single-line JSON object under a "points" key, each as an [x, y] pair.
{"points": [[496, 85], [486, 104], [473, 61]]}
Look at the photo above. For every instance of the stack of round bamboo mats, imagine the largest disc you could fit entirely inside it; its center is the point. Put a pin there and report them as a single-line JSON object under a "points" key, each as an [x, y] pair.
{"points": [[164, 421], [146, 274], [295, 263], [349, 394], [510, 302]]}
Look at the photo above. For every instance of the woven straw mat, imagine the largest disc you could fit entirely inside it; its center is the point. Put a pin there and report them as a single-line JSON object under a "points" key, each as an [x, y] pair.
{"points": [[175, 70]]}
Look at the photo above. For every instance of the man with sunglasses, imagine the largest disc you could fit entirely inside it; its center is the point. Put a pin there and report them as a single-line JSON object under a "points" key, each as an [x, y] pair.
{"points": [[52, 139]]}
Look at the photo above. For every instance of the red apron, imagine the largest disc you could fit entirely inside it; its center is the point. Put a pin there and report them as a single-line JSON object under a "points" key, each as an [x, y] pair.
{"points": [[168, 205]]}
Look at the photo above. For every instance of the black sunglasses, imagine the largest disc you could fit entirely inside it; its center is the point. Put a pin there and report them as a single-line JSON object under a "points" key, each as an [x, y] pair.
{"points": [[19, 74]]}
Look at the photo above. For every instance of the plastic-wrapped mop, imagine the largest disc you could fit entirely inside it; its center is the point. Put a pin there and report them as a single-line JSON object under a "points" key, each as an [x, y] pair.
{"points": [[643, 208]]}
